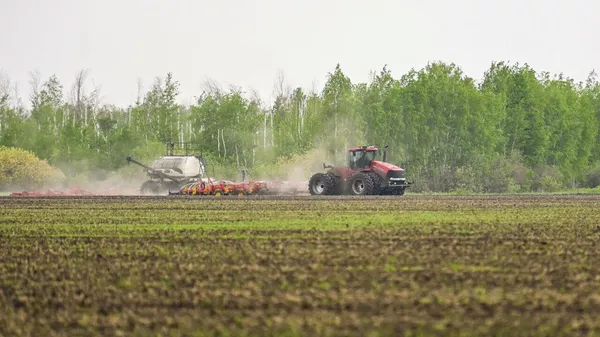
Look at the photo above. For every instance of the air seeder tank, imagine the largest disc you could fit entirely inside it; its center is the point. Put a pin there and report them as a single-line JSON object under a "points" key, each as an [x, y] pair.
{"points": [[171, 172], [179, 167]]}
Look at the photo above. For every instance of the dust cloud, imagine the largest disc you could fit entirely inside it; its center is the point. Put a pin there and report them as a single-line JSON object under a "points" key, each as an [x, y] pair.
{"points": [[82, 178], [329, 148]]}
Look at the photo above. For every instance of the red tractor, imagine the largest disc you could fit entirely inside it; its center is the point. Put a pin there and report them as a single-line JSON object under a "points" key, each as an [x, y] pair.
{"points": [[363, 176]]}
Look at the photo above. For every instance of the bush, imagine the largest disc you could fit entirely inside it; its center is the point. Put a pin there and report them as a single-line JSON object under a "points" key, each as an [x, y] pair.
{"points": [[547, 179], [466, 178], [593, 176], [506, 174], [23, 170]]}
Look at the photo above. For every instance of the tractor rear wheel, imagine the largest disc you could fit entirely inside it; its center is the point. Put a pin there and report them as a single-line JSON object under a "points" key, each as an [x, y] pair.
{"points": [[361, 184], [336, 185], [320, 184]]}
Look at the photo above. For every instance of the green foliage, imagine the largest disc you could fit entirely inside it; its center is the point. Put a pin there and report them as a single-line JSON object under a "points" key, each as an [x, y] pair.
{"points": [[593, 176], [22, 169], [517, 130]]}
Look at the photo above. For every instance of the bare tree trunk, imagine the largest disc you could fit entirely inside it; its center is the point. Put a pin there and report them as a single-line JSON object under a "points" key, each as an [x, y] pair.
{"points": [[224, 146], [4, 89], [139, 91], [265, 133], [79, 92], [18, 103], [335, 127], [272, 132], [181, 129], [35, 88], [335, 131]]}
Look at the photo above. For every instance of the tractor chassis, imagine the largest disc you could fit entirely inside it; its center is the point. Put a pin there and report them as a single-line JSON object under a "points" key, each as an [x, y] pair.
{"points": [[361, 183]]}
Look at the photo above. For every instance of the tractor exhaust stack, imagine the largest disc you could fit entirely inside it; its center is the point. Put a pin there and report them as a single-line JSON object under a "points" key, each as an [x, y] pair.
{"points": [[385, 153]]}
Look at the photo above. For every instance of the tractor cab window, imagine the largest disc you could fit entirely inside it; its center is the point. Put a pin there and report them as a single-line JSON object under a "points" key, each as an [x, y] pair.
{"points": [[360, 159], [370, 156]]}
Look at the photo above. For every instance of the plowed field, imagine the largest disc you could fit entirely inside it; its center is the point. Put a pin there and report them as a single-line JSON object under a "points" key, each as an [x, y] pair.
{"points": [[397, 266]]}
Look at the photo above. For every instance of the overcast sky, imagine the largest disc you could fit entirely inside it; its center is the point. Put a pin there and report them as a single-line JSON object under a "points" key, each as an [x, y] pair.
{"points": [[246, 42]]}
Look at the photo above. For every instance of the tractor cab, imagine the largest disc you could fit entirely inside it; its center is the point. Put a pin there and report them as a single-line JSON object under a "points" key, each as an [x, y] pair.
{"points": [[361, 157]]}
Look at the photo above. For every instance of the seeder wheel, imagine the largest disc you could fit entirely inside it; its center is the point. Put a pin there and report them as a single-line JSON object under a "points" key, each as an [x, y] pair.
{"points": [[149, 187]]}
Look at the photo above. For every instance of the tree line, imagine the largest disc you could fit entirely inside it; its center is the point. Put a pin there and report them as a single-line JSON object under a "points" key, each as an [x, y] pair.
{"points": [[516, 130]]}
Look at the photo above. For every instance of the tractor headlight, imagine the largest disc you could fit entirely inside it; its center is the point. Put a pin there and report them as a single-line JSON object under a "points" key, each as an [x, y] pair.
{"points": [[394, 181]]}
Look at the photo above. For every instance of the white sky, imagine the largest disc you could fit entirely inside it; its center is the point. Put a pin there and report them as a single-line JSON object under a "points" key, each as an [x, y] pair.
{"points": [[246, 42]]}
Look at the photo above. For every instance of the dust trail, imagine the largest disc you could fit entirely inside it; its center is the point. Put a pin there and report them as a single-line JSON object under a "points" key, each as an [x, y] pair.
{"points": [[81, 175]]}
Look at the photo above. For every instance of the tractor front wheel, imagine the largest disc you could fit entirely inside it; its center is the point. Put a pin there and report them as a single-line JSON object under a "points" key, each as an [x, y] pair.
{"points": [[361, 184], [320, 184], [399, 191], [376, 182]]}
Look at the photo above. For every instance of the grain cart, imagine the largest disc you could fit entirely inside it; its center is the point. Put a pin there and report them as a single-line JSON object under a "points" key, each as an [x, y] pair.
{"points": [[363, 175]]}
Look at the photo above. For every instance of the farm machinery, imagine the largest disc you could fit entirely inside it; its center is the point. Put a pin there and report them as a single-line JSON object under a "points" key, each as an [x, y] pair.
{"points": [[186, 175], [171, 171], [225, 187], [363, 175]]}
